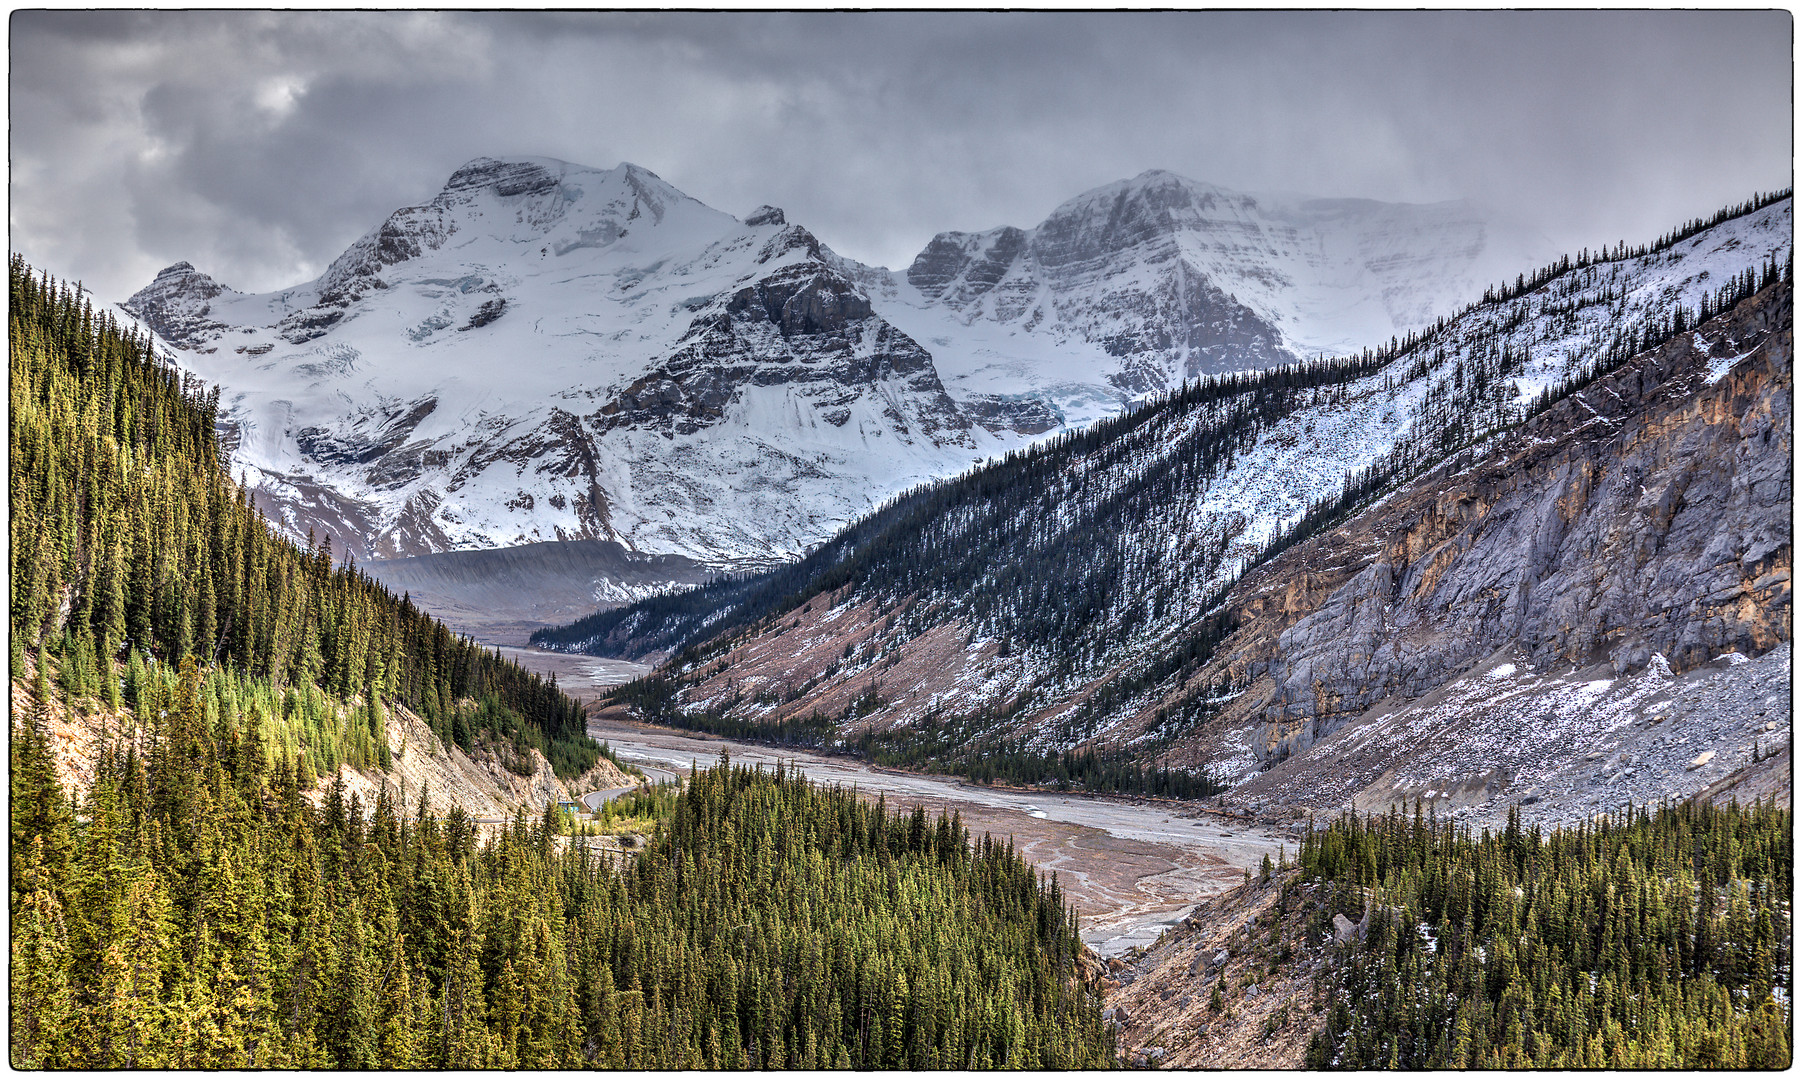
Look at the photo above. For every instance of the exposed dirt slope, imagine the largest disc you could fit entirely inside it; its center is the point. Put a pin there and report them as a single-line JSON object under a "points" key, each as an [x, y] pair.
{"points": [[420, 762], [1260, 952], [480, 783]]}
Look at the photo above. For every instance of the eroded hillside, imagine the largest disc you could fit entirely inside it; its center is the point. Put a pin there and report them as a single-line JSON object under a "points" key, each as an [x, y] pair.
{"points": [[492, 781]]}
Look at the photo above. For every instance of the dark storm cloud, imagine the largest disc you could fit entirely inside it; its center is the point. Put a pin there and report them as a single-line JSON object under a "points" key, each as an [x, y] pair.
{"points": [[257, 145]]}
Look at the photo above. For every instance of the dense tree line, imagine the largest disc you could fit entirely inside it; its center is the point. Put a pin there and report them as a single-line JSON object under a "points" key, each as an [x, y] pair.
{"points": [[1651, 939], [195, 911], [959, 747], [1622, 251], [131, 546]]}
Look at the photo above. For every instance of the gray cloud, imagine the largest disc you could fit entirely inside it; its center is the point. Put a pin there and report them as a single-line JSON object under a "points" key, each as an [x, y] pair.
{"points": [[257, 145]]}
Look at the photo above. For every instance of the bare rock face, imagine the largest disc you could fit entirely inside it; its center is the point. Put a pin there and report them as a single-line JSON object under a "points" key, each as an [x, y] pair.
{"points": [[766, 215], [960, 267], [803, 325], [1646, 515], [177, 305], [1110, 266]]}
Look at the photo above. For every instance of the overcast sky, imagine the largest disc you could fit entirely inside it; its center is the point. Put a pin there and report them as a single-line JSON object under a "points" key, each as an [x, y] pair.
{"points": [[258, 145]]}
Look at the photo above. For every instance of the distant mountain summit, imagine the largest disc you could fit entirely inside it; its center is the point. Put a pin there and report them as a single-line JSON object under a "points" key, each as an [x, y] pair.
{"points": [[550, 351], [1142, 283]]}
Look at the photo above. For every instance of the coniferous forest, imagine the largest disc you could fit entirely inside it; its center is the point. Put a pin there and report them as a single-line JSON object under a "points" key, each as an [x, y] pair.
{"points": [[196, 912], [1652, 939]]}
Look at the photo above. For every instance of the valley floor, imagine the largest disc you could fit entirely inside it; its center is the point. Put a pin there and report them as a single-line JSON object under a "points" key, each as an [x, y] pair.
{"points": [[1132, 867], [584, 678]]}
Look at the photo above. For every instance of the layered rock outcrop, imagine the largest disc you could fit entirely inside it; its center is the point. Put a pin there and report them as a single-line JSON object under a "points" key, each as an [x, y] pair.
{"points": [[1647, 514]]}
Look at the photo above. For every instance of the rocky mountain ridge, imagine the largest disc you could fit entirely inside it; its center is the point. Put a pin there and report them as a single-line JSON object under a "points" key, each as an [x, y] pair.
{"points": [[1160, 278], [544, 351]]}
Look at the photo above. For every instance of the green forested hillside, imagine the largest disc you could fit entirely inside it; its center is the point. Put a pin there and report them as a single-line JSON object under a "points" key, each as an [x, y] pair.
{"points": [[200, 914], [130, 542], [1655, 939]]}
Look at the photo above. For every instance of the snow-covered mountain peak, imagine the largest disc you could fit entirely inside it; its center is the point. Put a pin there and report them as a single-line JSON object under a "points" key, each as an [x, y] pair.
{"points": [[545, 350], [529, 175], [1152, 205], [176, 304], [542, 349], [1135, 285], [562, 207]]}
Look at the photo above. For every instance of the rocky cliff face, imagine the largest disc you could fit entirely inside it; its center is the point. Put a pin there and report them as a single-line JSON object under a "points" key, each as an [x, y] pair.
{"points": [[1648, 513], [1596, 611], [806, 328]]}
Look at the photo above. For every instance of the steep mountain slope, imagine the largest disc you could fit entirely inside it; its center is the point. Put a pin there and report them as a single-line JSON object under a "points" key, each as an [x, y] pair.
{"points": [[1492, 632], [546, 351], [1140, 284], [1401, 941], [1075, 597]]}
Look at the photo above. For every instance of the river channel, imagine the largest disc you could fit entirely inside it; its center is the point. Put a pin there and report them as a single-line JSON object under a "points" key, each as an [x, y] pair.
{"points": [[1132, 867]]}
